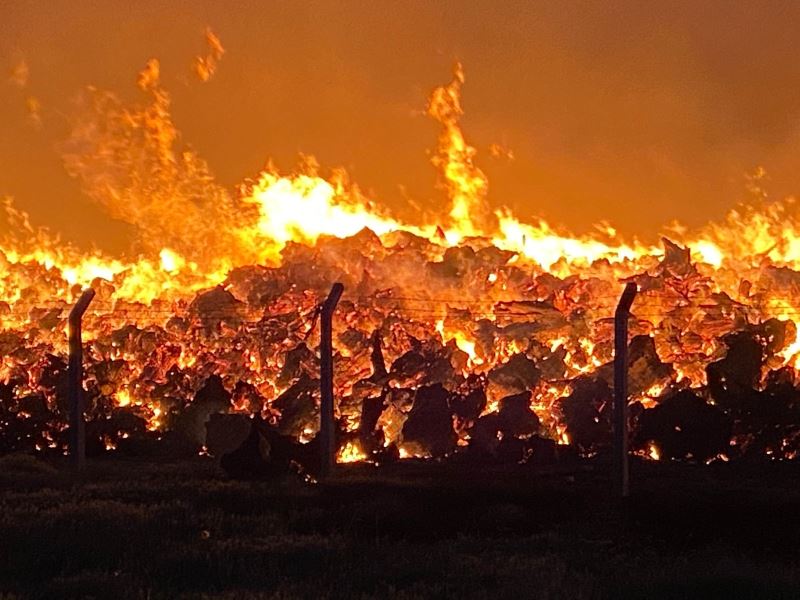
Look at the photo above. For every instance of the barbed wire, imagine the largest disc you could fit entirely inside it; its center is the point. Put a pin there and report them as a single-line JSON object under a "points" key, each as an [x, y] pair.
{"points": [[422, 307], [266, 313], [123, 307]]}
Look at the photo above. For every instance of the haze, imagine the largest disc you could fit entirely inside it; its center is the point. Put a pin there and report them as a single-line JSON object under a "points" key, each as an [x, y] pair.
{"points": [[637, 113]]}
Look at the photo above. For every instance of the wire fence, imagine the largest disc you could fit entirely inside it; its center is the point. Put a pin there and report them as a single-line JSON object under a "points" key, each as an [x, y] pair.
{"points": [[412, 307]]}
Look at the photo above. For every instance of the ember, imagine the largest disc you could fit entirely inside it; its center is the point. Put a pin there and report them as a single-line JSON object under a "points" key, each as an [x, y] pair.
{"points": [[475, 335]]}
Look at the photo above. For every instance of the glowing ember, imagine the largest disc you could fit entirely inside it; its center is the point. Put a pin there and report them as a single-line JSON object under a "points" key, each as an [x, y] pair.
{"points": [[228, 285], [652, 452], [350, 452]]}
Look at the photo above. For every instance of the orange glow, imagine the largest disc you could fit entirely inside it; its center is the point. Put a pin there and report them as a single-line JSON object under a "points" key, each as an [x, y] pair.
{"points": [[542, 290], [350, 452]]}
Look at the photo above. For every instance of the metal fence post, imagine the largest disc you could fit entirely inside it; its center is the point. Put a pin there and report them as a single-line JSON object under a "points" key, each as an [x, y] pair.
{"points": [[326, 417], [620, 450], [76, 401]]}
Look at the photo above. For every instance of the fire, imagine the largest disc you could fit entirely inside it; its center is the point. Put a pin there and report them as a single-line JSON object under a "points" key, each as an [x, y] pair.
{"points": [[304, 207], [652, 452], [547, 249], [155, 422], [462, 340], [350, 452], [228, 283], [171, 262], [791, 353], [563, 436], [466, 185], [123, 398]]}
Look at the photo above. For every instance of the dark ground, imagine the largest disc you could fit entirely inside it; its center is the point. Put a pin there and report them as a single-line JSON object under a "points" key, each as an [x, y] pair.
{"points": [[134, 530]]}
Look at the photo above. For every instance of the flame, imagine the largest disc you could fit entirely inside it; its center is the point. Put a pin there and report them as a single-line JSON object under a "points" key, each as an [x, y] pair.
{"points": [[550, 292], [205, 66], [462, 340], [466, 185], [543, 245], [123, 398], [305, 207], [653, 452], [350, 452], [563, 436]]}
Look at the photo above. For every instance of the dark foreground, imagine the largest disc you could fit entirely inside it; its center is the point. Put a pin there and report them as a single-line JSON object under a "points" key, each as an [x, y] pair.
{"points": [[133, 530]]}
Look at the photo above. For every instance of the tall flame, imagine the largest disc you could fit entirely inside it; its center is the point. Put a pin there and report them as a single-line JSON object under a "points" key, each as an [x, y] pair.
{"points": [[192, 234], [466, 184]]}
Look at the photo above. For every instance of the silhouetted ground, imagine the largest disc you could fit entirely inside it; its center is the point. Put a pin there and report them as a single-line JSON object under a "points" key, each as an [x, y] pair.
{"points": [[135, 530]]}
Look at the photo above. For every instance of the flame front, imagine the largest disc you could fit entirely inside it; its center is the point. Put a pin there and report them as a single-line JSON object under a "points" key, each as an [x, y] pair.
{"points": [[227, 285]]}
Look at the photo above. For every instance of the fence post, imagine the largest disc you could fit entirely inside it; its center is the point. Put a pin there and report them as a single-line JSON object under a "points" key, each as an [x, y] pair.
{"points": [[77, 425], [620, 450], [327, 431]]}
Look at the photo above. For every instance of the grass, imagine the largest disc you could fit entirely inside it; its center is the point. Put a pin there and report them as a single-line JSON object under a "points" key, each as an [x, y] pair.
{"points": [[174, 530]]}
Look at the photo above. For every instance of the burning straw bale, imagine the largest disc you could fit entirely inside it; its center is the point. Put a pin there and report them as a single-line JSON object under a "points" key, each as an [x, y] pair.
{"points": [[677, 261], [226, 433], [513, 421], [645, 367], [428, 430], [455, 264], [765, 417], [210, 399], [216, 307], [299, 407], [26, 423], [298, 361], [439, 343], [732, 378], [587, 413], [424, 364], [266, 453], [516, 376], [685, 426], [437, 348], [370, 436], [516, 417], [256, 285], [471, 402]]}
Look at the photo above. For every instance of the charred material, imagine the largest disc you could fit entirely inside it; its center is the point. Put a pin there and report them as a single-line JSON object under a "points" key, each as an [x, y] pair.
{"points": [[684, 426], [474, 352]]}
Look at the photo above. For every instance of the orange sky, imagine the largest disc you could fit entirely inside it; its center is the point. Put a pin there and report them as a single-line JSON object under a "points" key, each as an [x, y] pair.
{"points": [[634, 112]]}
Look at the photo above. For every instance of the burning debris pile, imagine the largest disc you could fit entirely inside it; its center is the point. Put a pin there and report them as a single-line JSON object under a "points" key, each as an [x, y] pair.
{"points": [[481, 339], [474, 353]]}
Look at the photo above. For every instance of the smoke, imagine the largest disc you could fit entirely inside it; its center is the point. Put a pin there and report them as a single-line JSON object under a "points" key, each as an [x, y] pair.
{"points": [[19, 74]]}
